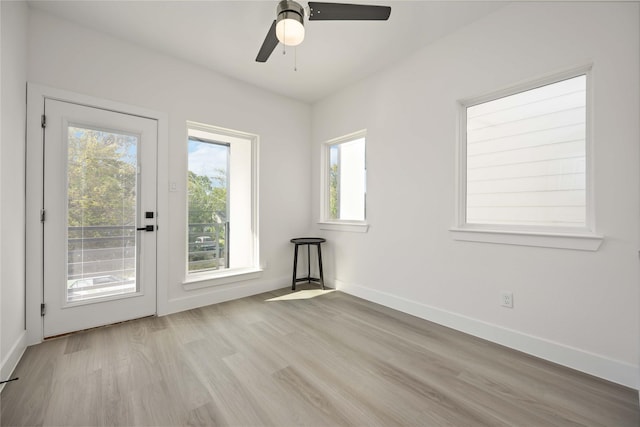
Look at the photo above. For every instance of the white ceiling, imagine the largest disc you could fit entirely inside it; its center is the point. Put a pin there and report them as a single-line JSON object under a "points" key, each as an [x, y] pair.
{"points": [[225, 36]]}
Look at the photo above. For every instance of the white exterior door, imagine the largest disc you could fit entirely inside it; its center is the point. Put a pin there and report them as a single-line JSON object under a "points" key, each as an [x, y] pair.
{"points": [[100, 215]]}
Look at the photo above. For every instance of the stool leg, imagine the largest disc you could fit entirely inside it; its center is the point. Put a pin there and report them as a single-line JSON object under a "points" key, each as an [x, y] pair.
{"points": [[309, 263], [320, 265], [295, 267]]}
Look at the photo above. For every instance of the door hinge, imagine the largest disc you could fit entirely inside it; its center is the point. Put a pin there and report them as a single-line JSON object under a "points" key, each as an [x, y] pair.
{"points": [[43, 121], [43, 215], [43, 309]]}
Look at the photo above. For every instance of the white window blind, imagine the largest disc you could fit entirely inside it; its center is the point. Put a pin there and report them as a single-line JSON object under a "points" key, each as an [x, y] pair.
{"points": [[526, 157]]}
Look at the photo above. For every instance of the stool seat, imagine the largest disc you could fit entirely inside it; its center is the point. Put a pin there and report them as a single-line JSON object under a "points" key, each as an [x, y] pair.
{"points": [[308, 241]]}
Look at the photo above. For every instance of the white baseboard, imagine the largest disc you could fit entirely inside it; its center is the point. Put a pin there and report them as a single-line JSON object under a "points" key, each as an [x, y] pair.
{"points": [[590, 363], [218, 294], [11, 360]]}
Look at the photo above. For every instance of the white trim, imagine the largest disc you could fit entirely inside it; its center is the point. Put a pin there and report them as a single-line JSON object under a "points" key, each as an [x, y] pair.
{"points": [[11, 360], [582, 242], [35, 100], [219, 277], [1, 145], [355, 227], [162, 216], [362, 133], [225, 293], [529, 84], [594, 364]]}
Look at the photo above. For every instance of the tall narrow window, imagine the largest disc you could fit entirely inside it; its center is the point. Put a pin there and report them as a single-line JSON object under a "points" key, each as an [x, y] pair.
{"points": [[525, 156], [345, 179], [222, 226], [208, 190]]}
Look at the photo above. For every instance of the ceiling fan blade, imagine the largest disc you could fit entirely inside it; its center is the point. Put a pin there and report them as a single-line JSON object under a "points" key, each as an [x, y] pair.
{"points": [[270, 43], [320, 11]]}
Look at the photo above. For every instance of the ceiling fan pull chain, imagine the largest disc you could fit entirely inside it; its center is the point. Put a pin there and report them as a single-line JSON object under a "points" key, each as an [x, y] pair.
{"points": [[295, 58], [284, 32]]}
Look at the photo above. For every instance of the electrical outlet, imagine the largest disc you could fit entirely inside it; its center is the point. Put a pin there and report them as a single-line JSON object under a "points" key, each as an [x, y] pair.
{"points": [[506, 299]]}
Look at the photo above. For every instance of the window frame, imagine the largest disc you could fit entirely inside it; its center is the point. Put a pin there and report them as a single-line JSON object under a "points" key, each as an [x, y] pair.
{"points": [[206, 278], [326, 222], [580, 238]]}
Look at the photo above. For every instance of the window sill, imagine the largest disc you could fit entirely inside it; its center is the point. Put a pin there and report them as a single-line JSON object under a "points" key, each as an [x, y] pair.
{"points": [[355, 227], [575, 241], [206, 280]]}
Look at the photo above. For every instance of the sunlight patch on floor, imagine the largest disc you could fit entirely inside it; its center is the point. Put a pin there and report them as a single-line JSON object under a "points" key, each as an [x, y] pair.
{"points": [[306, 294]]}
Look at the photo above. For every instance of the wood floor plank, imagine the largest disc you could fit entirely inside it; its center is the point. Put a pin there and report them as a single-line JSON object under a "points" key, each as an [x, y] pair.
{"points": [[117, 403], [329, 360], [75, 401], [236, 405], [205, 416], [285, 406], [40, 363], [153, 405], [312, 394]]}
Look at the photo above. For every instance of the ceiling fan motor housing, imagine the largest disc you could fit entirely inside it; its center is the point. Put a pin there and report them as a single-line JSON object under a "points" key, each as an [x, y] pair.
{"points": [[286, 7]]}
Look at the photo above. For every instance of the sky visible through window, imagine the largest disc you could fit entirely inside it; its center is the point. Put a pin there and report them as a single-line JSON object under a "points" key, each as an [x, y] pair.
{"points": [[207, 159]]}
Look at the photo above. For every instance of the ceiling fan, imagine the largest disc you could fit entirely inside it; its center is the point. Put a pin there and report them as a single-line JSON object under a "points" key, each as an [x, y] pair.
{"points": [[288, 28]]}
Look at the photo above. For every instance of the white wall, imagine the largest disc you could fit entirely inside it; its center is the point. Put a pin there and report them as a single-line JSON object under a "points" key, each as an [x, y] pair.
{"points": [[12, 225], [66, 56], [576, 308]]}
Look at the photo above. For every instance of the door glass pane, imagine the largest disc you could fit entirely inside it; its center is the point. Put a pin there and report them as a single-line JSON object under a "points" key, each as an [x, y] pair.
{"points": [[208, 186], [101, 213]]}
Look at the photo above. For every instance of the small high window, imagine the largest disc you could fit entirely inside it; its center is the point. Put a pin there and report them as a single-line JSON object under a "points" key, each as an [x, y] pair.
{"points": [[344, 173]]}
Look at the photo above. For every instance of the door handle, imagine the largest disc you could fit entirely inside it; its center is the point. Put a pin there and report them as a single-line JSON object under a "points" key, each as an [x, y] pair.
{"points": [[145, 228]]}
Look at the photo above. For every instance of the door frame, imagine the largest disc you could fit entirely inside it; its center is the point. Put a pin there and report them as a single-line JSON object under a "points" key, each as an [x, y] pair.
{"points": [[36, 95]]}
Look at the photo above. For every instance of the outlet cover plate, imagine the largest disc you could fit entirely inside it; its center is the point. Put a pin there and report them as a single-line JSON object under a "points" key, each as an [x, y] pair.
{"points": [[506, 299]]}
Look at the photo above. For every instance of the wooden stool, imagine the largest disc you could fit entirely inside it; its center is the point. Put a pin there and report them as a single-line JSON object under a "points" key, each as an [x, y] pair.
{"points": [[308, 241]]}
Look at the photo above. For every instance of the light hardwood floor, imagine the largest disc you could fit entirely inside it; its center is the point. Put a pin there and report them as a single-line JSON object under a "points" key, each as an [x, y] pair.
{"points": [[329, 360]]}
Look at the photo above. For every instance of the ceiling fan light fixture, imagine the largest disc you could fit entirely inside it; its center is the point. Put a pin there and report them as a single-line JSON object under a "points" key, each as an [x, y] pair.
{"points": [[290, 23]]}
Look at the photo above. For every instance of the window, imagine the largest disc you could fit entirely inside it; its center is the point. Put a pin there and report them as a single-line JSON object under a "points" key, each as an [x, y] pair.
{"points": [[343, 192], [524, 159], [221, 183], [344, 177]]}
